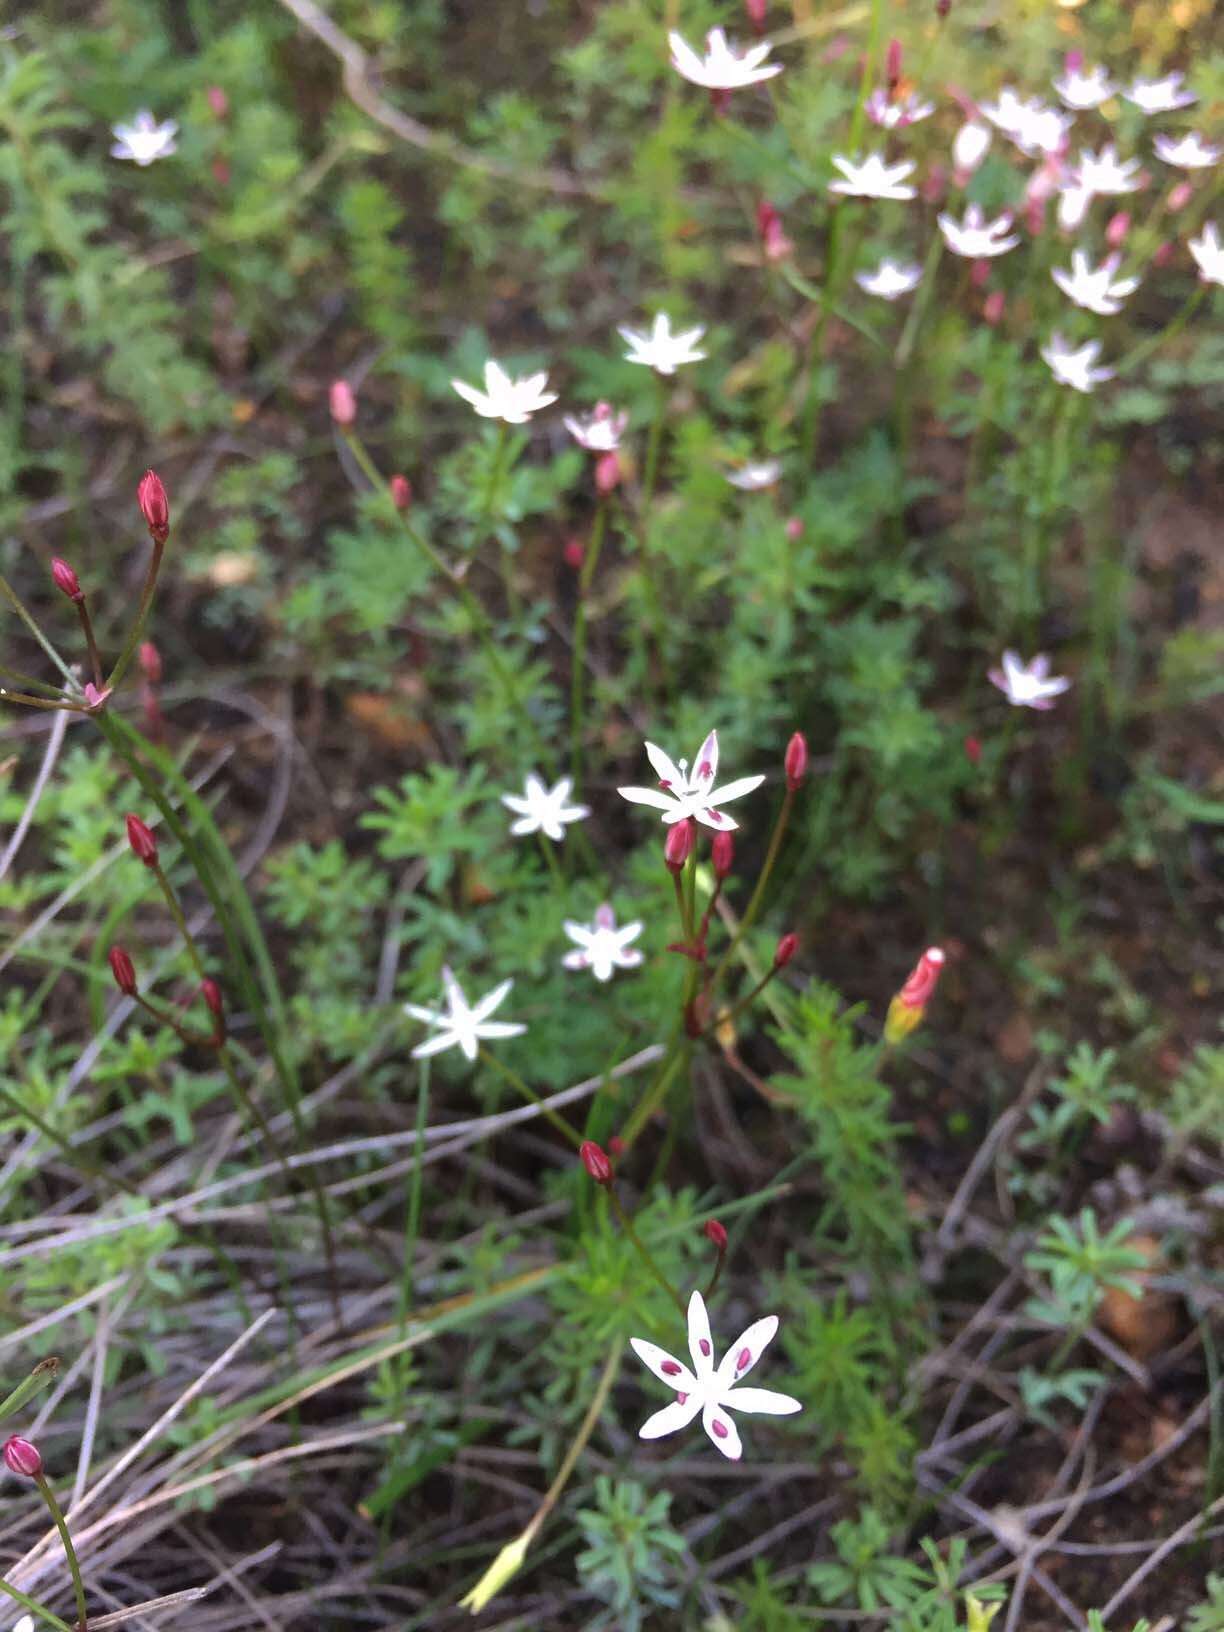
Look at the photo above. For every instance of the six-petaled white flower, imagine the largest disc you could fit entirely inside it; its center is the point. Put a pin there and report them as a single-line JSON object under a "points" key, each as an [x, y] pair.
{"points": [[1099, 291], [709, 1390], [599, 431], [1188, 152], [723, 68], [461, 1025], [1208, 252], [602, 946], [970, 147], [544, 810], [977, 238], [753, 477], [872, 177], [1027, 121], [681, 793], [1083, 88], [1104, 173], [144, 141], [890, 280], [1075, 365], [894, 113], [1160, 95], [504, 398], [660, 349], [1028, 685]]}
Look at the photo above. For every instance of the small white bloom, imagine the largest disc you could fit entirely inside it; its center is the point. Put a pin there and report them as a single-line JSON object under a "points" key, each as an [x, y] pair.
{"points": [[1208, 252], [1188, 152], [709, 1390], [680, 794], [599, 431], [975, 237], [25, 1624], [460, 1025], [1028, 685], [751, 478], [1160, 95], [1073, 205], [872, 178], [722, 68], [602, 947], [544, 810], [970, 147], [660, 349], [1099, 291], [1034, 127], [1083, 88], [1104, 173], [504, 398], [144, 141], [890, 280], [1075, 365], [882, 110]]}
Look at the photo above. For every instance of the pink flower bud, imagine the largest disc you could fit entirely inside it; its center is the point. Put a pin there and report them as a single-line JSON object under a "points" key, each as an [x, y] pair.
{"points": [[1035, 214], [794, 528], [1162, 254], [607, 472], [923, 979], [124, 971], [796, 762], [1117, 228], [992, 307], [714, 1232], [154, 506], [401, 492], [892, 65], [617, 1145], [679, 845], [942, 8], [935, 184], [150, 662], [1180, 196], [722, 853], [973, 750], [213, 1001], [66, 580], [596, 1162], [142, 841], [1073, 61], [979, 274], [572, 553], [94, 696], [342, 402], [755, 10], [22, 1457], [774, 242], [218, 101], [786, 949]]}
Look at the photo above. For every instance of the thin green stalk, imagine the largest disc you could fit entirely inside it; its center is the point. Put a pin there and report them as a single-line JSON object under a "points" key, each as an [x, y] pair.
{"points": [[550, 857], [33, 1605], [642, 1250], [412, 1216], [83, 1164], [754, 902], [529, 1094], [18, 606], [585, 1429], [578, 658], [142, 612], [655, 443], [1145, 348], [78, 1586], [91, 644], [654, 1095]]}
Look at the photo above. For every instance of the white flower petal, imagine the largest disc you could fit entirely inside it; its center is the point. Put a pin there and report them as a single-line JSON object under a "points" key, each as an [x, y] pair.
{"points": [[747, 1349], [722, 1431], [762, 1401], [700, 1345], [671, 1418], [665, 1366]]}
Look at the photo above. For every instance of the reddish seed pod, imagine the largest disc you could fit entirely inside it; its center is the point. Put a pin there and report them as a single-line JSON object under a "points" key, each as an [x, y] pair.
{"points": [[150, 662], [596, 1162], [679, 844], [401, 492], [714, 1232], [786, 949], [796, 762], [722, 854], [22, 1457], [154, 506], [66, 581], [123, 969], [342, 402], [142, 841]]}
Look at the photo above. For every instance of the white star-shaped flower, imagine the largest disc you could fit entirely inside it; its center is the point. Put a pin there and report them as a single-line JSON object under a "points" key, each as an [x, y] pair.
{"points": [[1099, 291], [144, 141], [504, 398], [599, 431], [602, 946], [1027, 121], [660, 349], [975, 237], [1083, 88], [1075, 365], [1208, 252], [460, 1025], [872, 177], [1028, 685], [712, 1391], [1160, 95], [544, 810], [753, 477], [723, 68], [680, 794], [892, 114], [890, 280], [1104, 173], [1188, 152]]}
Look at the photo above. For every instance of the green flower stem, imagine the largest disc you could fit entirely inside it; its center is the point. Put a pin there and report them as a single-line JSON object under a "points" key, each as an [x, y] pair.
{"points": [[497, 473], [642, 1250], [655, 1094], [18, 606], [1140, 353], [655, 443], [754, 902], [43, 1375], [91, 644], [42, 702], [554, 866], [34, 684], [33, 1605], [107, 1175], [412, 1215], [78, 1586], [529, 1094], [578, 657], [142, 612], [686, 925], [740, 1004]]}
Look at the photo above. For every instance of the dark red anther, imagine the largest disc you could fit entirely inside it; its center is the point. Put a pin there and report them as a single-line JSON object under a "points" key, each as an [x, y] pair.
{"points": [[669, 1368]]}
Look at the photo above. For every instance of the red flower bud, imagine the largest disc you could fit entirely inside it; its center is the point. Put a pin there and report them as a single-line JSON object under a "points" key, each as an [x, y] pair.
{"points": [[992, 307], [66, 580], [607, 472], [401, 492], [1180, 195], [215, 1003], [142, 841], [154, 506], [1162, 254], [756, 14], [923, 979], [786, 949], [796, 762], [942, 8], [722, 853], [1117, 228], [794, 528], [679, 845], [973, 750], [217, 101], [596, 1162], [150, 662], [22, 1457], [892, 65], [123, 970], [713, 1231], [342, 402], [572, 553]]}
